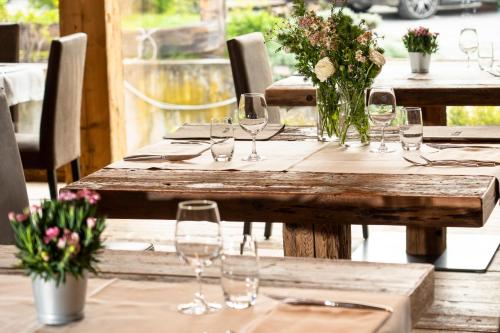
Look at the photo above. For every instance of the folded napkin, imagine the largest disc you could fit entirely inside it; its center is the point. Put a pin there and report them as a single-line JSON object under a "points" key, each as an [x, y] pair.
{"points": [[202, 131], [287, 318], [466, 153], [465, 134], [168, 150]]}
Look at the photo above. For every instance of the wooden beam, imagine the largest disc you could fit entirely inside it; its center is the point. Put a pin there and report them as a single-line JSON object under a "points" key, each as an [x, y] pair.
{"points": [[102, 122]]}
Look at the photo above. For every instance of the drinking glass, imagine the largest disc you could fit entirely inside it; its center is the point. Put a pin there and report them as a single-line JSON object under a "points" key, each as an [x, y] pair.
{"points": [[198, 242], [382, 110], [411, 128], [222, 139], [253, 117], [468, 42], [485, 55], [240, 272]]}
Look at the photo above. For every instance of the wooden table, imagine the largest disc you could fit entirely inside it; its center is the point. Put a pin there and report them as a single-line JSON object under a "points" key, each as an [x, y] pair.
{"points": [[416, 281], [317, 208], [448, 83]]}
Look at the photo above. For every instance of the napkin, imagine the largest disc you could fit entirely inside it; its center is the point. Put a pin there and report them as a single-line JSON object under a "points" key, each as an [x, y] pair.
{"points": [[202, 131], [168, 150], [287, 318], [466, 153]]}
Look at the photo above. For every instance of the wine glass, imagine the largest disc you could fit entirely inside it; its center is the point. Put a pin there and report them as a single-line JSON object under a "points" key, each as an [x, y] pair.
{"points": [[198, 242], [253, 119], [382, 110], [468, 42]]}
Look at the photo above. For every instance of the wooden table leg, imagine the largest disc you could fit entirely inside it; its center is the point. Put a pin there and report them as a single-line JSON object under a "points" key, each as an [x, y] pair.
{"points": [[319, 240], [298, 240], [332, 241], [421, 241], [434, 115]]}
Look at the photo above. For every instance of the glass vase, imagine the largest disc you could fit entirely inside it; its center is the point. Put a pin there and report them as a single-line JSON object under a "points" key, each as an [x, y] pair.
{"points": [[353, 124], [328, 111]]}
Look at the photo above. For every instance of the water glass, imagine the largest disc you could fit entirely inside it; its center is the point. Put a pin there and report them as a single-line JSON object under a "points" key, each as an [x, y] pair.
{"points": [[485, 55], [382, 110], [198, 243], [468, 42], [222, 139], [253, 117], [240, 272], [411, 128]]}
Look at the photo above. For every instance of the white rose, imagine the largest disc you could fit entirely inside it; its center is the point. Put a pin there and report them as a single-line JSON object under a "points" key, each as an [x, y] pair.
{"points": [[377, 58], [324, 69]]}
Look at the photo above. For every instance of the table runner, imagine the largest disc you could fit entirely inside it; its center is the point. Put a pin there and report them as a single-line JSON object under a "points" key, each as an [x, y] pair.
{"points": [[144, 306], [202, 131], [22, 82], [335, 159], [279, 156]]}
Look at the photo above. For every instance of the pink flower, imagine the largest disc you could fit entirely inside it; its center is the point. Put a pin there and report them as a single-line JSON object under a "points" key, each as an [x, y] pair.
{"points": [[22, 217], [67, 196], [36, 209], [61, 243], [12, 216], [91, 196], [50, 234], [91, 221], [74, 239]]}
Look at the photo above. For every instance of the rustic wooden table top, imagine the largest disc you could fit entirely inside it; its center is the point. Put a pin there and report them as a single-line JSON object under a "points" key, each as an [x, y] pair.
{"points": [[415, 281], [447, 83], [299, 197]]}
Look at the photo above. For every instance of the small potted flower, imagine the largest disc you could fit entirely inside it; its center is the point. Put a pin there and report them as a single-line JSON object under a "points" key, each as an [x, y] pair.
{"points": [[420, 43], [58, 243]]}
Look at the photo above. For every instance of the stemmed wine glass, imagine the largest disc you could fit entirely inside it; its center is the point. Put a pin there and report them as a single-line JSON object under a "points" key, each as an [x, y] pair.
{"points": [[198, 242], [468, 42], [253, 119], [382, 110]]}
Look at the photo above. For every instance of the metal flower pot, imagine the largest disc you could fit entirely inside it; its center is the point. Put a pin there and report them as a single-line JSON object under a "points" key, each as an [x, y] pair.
{"points": [[420, 62], [59, 305]]}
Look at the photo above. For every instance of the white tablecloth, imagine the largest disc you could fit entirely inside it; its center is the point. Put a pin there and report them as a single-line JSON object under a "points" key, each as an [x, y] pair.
{"points": [[22, 82]]}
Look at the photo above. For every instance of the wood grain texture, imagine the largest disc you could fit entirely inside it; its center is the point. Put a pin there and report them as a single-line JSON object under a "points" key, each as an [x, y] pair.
{"points": [[415, 280], [299, 197], [332, 241], [298, 240], [423, 241], [446, 84], [102, 119], [434, 115]]}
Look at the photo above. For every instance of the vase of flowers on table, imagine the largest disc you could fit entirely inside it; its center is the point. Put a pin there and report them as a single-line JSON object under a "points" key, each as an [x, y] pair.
{"points": [[341, 59], [420, 43], [58, 242]]}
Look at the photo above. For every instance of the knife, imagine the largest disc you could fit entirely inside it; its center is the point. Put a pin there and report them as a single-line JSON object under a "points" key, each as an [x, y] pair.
{"points": [[329, 303]]}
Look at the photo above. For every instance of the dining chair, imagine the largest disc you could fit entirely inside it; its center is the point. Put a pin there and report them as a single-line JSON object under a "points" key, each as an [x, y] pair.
{"points": [[251, 68], [13, 194], [252, 74], [58, 141], [9, 52]]}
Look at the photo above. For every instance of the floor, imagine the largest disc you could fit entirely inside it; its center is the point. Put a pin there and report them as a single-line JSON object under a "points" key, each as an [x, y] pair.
{"points": [[464, 302]]}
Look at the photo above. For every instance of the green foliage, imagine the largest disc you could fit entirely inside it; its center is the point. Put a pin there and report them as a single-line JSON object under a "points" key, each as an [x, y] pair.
{"points": [[244, 21], [59, 237], [44, 4], [473, 116], [420, 40]]}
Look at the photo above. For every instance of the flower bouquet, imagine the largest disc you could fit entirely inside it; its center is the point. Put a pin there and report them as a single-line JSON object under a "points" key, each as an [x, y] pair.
{"points": [[58, 243], [420, 43], [341, 59]]}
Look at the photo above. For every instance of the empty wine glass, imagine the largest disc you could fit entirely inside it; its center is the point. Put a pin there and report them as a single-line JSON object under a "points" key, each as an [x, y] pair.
{"points": [[253, 119], [382, 110], [468, 42], [198, 242]]}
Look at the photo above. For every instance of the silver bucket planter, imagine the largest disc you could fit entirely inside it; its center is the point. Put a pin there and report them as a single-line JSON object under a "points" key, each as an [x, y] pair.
{"points": [[420, 62], [59, 305]]}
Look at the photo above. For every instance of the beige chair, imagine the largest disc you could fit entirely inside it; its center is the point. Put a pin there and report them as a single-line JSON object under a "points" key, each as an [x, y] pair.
{"points": [[13, 195], [58, 142], [251, 68]]}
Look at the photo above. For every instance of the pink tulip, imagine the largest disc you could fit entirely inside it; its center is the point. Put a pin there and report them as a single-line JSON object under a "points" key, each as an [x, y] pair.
{"points": [[67, 196], [61, 243], [21, 217], [12, 216], [91, 222], [50, 234]]}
